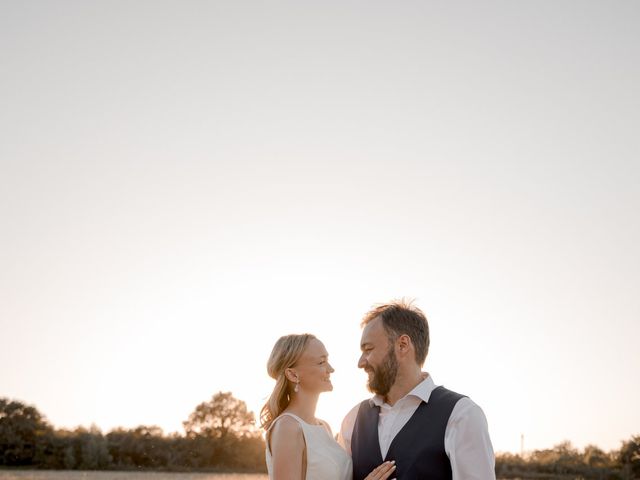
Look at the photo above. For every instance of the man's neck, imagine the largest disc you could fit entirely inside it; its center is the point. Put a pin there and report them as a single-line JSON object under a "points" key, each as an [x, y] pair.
{"points": [[405, 382]]}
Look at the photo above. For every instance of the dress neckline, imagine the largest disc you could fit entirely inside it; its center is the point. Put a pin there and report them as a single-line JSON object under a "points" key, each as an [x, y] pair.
{"points": [[302, 420]]}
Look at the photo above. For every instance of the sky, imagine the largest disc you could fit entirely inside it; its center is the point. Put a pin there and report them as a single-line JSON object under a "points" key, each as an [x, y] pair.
{"points": [[183, 182]]}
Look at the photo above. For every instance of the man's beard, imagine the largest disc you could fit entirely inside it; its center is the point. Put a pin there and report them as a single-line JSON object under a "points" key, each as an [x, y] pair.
{"points": [[384, 376]]}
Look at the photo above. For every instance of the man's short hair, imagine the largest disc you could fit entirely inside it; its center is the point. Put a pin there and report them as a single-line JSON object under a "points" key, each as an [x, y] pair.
{"points": [[401, 317]]}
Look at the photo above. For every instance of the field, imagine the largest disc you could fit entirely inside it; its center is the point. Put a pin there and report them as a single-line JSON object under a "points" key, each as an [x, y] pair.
{"points": [[84, 475]]}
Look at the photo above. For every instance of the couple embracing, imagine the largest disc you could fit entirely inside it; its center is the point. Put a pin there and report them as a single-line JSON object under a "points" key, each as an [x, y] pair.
{"points": [[410, 429]]}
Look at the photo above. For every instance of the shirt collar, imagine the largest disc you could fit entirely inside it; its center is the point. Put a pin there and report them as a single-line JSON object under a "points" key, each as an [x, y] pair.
{"points": [[422, 391]]}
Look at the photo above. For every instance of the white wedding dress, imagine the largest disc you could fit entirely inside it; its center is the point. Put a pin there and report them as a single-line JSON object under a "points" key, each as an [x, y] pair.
{"points": [[326, 460]]}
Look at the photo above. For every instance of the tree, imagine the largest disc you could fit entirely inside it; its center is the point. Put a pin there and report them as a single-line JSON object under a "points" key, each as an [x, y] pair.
{"points": [[143, 447], [594, 456], [23, 432], [221, 417], [93, 449], [567, 458], [629, 457], [221, 431]]}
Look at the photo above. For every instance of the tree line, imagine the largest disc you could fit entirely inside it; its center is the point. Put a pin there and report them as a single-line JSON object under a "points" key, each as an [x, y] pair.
{"points": [[566, 462], [220, 434]]}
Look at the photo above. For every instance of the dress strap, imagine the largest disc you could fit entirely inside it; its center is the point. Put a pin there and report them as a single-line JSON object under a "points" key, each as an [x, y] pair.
{"points": [[268, 432], [292, 415], [282, 415]]}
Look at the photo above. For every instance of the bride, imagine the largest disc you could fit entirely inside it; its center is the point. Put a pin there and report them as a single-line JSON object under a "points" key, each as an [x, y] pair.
{"points": [[299, 446]]}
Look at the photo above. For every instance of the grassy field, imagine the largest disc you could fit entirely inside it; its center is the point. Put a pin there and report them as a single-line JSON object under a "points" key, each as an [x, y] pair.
{"points": [[84, 475]]}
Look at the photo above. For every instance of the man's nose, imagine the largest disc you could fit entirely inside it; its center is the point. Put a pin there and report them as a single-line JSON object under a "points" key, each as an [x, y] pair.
{"points": [[361, 362], [331, 369]]}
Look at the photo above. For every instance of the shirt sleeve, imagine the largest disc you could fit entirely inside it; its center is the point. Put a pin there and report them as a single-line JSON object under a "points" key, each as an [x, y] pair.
{"points": [[467, 443], [346, 429]]}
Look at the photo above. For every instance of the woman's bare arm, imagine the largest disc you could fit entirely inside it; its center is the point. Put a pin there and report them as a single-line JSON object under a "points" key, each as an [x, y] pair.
{"points": [[382, 472], [287, 445]]}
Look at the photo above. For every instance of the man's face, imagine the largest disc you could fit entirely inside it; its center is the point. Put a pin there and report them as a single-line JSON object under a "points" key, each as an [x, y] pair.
{"points": [[378, 358]]}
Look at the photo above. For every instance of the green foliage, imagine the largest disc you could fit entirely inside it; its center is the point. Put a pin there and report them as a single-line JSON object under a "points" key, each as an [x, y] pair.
{"points": [[567, 463], [91, 450], [23, 433], [220, 434], [629, 457], [143, 447], [224, 432], [221, 417]]}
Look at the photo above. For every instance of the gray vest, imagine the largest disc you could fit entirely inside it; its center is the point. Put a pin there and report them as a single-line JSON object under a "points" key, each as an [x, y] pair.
{"points": [[418, 448]]}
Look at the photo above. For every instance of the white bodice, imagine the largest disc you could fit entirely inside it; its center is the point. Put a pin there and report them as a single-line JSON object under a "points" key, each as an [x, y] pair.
{"points": [[326, 460]]}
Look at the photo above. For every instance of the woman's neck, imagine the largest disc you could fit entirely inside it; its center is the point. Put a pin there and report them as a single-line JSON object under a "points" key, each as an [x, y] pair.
{"points": [[304, 405]]}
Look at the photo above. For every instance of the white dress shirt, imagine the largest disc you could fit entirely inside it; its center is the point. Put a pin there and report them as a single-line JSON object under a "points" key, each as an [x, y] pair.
{"points": [[466, 437]]}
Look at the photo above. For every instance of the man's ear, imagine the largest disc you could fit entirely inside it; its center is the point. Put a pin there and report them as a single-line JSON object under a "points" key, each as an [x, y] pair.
{"points": [[403, 344]]}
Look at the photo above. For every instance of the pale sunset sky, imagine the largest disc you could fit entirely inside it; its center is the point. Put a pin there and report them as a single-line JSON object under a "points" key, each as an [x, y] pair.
{"points": [[183, 182]]}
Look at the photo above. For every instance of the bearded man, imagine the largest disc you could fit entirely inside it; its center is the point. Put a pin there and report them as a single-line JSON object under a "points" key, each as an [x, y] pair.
{"points": [[429, 431]]}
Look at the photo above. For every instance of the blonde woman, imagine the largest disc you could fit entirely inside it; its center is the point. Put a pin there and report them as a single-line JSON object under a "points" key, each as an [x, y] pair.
{"points": [[299, 446]]}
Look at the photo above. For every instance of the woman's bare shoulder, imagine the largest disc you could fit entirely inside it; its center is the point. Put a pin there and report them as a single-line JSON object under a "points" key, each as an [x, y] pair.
{"points": [[286, 424], [285, 430]]}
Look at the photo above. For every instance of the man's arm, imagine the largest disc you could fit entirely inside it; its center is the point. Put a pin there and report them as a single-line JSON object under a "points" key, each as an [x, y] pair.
{"points": [[346, 429], [467, 443]]}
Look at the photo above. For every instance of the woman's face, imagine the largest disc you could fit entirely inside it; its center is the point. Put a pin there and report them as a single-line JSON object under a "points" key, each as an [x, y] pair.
{"points": [[313, 368]]}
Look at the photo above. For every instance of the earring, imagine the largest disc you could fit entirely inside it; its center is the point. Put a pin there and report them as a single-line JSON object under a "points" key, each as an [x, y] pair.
{"points": [[297, 387]]}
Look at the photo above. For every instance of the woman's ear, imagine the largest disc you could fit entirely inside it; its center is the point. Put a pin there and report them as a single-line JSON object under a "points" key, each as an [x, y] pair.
{"points": [[291, 375]]}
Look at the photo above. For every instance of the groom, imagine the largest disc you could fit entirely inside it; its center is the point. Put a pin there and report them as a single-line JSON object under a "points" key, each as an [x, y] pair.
{"points": [[430, 432]]}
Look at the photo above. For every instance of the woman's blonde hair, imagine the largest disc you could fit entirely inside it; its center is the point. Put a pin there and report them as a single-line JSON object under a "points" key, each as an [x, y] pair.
{"points": [[286, 352]]}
